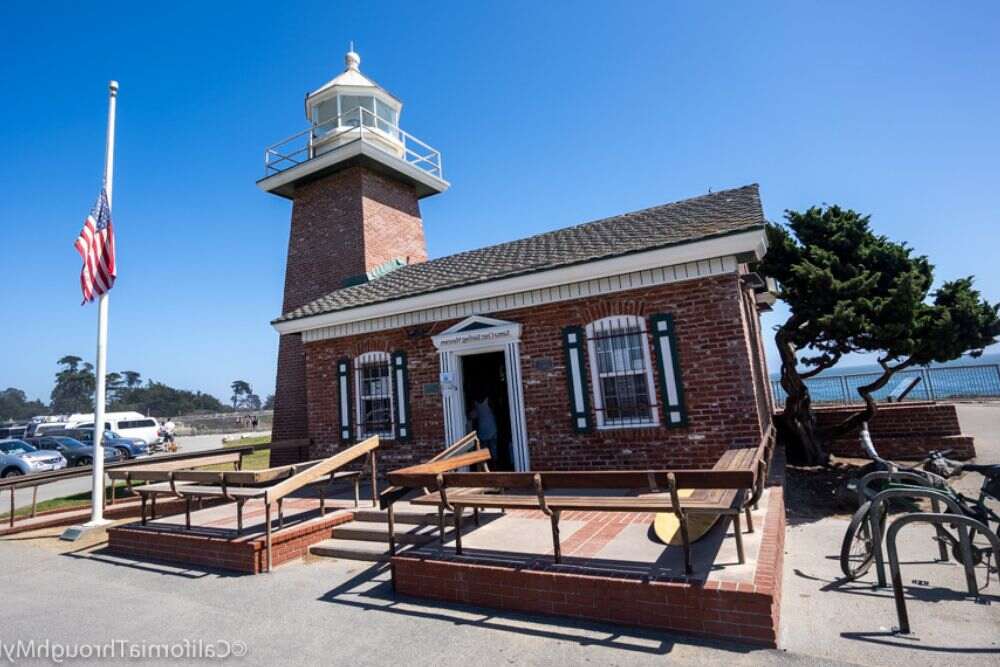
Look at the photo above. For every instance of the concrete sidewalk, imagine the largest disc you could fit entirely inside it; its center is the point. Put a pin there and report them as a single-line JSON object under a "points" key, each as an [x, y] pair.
{"points": [[320, 612]]}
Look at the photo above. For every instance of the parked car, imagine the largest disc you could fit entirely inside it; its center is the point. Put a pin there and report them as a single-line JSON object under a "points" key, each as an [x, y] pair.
{"points": [[12, 430], [19, 458], [127, 424], [130, 448], [75, 452], [38, 429]]}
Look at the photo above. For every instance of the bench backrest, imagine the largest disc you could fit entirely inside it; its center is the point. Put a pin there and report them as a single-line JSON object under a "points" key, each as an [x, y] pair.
{"points": [[634, 479], [155, 472]]}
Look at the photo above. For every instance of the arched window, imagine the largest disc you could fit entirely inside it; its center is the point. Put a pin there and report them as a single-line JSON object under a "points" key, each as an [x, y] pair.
{"points": [[621, 372], [373, 396]]}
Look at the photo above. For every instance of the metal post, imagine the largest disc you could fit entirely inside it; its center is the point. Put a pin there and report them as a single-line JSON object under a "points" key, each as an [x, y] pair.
{"points": [[963, 522], [843, 389], [97, 494], [876, 523]]}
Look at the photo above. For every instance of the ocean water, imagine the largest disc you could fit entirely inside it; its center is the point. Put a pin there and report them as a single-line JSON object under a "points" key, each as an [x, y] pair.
{"points": [[962, 378]]}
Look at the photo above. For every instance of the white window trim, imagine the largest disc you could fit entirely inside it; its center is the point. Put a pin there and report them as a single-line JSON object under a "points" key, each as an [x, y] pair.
{"points": [[595, 375], [367, 358]]}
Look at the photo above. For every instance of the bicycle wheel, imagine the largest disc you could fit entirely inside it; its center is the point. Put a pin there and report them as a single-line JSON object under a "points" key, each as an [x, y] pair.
{"points": [[857, 553]]}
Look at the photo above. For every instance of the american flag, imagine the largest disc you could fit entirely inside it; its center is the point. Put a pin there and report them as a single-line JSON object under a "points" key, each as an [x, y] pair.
{"points": [[96, 245]]}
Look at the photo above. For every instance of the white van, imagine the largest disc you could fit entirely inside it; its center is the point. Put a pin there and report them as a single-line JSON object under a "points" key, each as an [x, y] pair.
{"points": [[127, 424]]}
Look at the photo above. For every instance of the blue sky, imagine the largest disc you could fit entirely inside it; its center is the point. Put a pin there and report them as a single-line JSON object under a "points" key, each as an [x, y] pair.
{"points": [[547, 114]]}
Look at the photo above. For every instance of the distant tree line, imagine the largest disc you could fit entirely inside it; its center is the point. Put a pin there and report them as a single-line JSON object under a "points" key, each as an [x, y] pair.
{"points": [[76, 385]]}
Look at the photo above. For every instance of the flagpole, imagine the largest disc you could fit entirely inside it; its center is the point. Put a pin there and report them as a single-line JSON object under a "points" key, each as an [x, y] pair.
{"points": [[97, 496]]}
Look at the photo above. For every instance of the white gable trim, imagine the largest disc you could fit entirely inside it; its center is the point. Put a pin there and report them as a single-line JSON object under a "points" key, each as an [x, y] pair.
{"points": [[616, 274], [635, 280]]}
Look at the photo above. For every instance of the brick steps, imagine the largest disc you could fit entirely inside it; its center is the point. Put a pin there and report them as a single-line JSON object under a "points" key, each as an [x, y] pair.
{"points": [[372, 531], [366, 538]]}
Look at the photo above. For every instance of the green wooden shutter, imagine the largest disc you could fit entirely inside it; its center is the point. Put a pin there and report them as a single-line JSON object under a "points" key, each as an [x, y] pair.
{"points": [[344, 394], [401, 385], [579, 408], [669, 367]]}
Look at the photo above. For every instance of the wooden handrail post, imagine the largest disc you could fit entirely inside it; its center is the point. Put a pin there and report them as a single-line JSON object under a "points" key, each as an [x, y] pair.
{"points": [[374, 479], [675, 501], [267, 532]]}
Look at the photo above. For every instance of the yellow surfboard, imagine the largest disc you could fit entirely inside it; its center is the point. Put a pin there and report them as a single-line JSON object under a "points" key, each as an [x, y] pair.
{"points": [[668, 528]]}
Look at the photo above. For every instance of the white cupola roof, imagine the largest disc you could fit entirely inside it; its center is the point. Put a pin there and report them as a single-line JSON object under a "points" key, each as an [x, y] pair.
{"points": [[350, 81]]}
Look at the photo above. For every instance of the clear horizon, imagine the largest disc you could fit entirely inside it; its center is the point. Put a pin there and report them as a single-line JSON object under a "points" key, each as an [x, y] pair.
{"points": [[545, 117]]}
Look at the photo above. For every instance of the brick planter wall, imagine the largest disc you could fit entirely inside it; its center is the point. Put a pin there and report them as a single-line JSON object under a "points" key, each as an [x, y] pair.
{"points": [[242, 554], [743, 612], [903, 431], [718, 348]]}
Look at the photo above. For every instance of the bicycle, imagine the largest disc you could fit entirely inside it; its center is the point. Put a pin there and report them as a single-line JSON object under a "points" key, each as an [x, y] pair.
{"points": [[857, 551]]}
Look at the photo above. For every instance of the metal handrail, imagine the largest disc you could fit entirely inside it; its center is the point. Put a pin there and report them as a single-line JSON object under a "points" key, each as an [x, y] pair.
{"points": [[357, 120], [42, 478]]}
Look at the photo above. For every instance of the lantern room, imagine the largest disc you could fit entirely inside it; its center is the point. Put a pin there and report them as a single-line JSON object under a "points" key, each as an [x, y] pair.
{"points": [[352, 120], [339, 109]]}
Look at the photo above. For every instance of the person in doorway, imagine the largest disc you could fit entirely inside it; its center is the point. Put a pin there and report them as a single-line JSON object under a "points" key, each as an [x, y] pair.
{"points": [[486, 426]]}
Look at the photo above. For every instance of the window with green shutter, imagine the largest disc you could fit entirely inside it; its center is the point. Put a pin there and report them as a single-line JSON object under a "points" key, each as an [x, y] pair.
{"points": [[573, 338], [402, 387], [669, 367], [344, 393]]}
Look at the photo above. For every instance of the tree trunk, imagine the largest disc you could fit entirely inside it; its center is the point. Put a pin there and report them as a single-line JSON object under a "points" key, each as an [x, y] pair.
{"points": [[798, 417], [854, 422]]}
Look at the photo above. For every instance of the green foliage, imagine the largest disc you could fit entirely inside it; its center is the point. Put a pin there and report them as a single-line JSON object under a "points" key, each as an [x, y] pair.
{"points": [[75, 387], [162, 400], [243, 396], [851, 290], [15, 406]]}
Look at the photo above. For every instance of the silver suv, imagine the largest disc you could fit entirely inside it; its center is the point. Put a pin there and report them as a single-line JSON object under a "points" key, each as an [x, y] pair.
{"points": [[19, 458]]}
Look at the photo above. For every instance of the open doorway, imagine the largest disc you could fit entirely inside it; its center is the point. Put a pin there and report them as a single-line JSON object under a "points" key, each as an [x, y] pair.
{"points": [[484, 388]]}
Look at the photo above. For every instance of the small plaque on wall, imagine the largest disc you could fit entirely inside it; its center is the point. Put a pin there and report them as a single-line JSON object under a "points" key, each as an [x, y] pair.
{"points": [[542, 364], [432, 388]]}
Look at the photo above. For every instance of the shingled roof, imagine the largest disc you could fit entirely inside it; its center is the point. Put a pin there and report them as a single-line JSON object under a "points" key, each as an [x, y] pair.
{"points": [[716, 214]]}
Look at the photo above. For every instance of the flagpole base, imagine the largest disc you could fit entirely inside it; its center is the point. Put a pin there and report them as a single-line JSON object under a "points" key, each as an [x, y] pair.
{"points": [[75, 533]]}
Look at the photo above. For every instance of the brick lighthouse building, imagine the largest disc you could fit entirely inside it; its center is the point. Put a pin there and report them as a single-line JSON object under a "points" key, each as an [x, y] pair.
{"points": [[628, 342]]}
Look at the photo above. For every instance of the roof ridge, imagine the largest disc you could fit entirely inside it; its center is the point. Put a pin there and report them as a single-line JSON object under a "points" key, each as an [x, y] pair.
{"points": [[749, 186]]}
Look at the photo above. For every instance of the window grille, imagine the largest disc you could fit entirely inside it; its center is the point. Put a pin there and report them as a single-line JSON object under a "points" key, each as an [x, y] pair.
{"points": [[621, 372], [373, 392]]}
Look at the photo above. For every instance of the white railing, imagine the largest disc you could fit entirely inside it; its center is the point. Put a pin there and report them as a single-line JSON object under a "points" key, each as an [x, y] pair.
{"points": [[359, 124]]}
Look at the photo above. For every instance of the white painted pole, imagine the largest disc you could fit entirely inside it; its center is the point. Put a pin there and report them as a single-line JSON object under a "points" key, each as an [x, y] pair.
{"points": [[97, 496]]}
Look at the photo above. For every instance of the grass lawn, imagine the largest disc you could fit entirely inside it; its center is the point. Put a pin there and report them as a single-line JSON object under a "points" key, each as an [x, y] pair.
{"points": [[81, 499], [254, 461]]}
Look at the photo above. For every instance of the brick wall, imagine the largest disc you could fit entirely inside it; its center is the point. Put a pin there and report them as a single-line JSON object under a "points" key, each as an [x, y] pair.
{"points": [[239, 554], [746, 612], [342, 226], [715, 356], [902, 431]]}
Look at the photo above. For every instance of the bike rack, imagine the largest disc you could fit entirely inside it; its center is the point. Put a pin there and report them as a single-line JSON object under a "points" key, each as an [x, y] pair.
{"points": [[892, 475], [928, 480], [935, 496], [964, 524]]}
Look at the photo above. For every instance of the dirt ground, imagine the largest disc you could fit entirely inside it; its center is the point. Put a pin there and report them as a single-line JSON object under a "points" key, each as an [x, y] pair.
{"points": [[815, 492]]}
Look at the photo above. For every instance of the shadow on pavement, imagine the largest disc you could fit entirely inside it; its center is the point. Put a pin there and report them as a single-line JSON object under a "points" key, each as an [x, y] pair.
{"points": [[371, 590]]}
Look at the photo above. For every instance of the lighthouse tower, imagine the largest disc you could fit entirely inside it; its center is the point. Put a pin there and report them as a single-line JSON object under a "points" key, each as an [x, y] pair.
{"points": [[355, 179]]}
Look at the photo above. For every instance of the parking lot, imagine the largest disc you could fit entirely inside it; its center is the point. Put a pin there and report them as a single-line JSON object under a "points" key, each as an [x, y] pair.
{"points": [[69, 487]]}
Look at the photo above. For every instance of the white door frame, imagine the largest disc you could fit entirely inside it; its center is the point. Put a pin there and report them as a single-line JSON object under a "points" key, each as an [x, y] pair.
{"points": [[479, 335]]}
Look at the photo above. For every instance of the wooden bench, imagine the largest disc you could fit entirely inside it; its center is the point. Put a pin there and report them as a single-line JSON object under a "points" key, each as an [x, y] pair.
{"points": [[271, 485], [729, 490]]}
